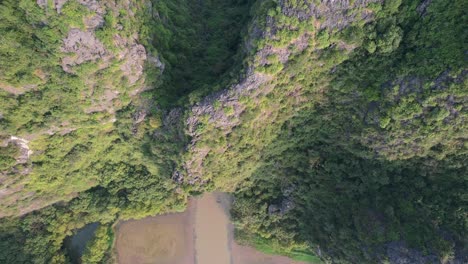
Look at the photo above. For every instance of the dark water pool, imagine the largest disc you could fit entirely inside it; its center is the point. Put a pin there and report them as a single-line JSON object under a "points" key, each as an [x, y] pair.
{"points": [[76, 244]]}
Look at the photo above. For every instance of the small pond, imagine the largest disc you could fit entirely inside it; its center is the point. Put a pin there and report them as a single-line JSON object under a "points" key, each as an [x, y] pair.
{"points": [[76, 244]]}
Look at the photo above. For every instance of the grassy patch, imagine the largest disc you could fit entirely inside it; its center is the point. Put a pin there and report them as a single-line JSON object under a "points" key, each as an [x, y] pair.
{"points": [[272, 248]]}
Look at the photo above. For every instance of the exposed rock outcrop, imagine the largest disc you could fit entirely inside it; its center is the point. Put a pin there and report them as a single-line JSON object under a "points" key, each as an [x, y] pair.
{"points": [[57, 4], [22, 165], [217, 116], [84, 47], [25, 152], [330, 14], [133, 64]]}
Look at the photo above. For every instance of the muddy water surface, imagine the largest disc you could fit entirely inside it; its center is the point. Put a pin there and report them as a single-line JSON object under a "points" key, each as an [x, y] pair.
{"points": [[203, 234], [213, 232], [165, 239]]}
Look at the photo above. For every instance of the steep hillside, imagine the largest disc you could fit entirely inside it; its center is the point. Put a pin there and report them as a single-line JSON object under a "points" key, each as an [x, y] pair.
{"points": [[92, 112], [339, 126], [71, 78], [347, 137]]}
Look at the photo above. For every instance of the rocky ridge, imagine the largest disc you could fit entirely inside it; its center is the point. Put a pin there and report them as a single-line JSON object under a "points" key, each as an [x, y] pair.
{"points": [[329, 15]]}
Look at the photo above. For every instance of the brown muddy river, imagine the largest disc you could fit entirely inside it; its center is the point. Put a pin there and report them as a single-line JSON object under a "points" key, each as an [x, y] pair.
{"points": [[200, 235], [166, 239]]}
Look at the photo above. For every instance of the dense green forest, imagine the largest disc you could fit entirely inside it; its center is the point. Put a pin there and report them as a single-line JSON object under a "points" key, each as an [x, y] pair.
{"points": [[340, 127]]}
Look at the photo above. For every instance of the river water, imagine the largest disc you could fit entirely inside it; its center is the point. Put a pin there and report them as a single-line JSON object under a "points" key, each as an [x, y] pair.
{"points": [[203, 234], [213, 229]]}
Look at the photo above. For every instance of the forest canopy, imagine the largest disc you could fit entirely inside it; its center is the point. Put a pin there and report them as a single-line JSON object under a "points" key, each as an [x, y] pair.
{"points": [[340, 127]]}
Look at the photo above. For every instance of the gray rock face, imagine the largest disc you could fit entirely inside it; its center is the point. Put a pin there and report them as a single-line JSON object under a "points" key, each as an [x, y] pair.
{"points": [[286, 205], [156, 62], [92, 5], [22, 144], [58, 4], [94, 22], [41, 3], [85, 47], [133, 65], [332, 13]]}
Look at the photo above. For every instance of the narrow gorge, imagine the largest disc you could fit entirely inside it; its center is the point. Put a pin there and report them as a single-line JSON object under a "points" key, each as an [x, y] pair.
{"points": [[339, 127]]}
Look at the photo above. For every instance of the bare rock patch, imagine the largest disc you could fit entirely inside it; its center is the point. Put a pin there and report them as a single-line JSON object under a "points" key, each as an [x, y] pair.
{"points": [[84, 47], [133, 64]]}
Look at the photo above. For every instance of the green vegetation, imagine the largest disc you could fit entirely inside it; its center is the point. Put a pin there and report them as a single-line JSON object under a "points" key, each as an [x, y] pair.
{"points": [[295, 252], [366, 140], [77, 144], [7, 156], [98, 248], [89, 153], [351, 135], [201, 43]]}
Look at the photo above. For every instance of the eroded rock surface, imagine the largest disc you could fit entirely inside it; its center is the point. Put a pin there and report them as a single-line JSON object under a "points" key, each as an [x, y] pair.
{"points": [[84, 47], [133, 64], [58, 4], [333, 13]]}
